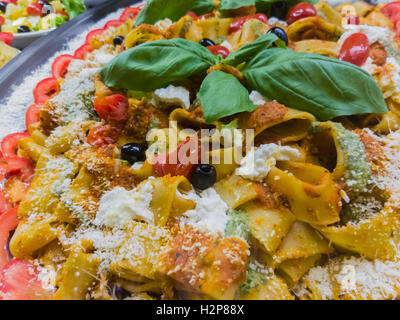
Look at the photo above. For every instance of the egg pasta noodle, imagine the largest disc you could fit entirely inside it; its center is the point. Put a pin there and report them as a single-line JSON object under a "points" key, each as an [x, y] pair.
{"points": [[261, 163]]}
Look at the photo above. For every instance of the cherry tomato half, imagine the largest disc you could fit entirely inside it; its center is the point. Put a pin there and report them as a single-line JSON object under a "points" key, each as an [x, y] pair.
{"points": [[112, 108], [129, 13], [8, 222], [35, 9], [19, 280], [9, 144], [355, 49], [391, 10], [45, 90], [6, 37], [82, 51], [2, 20], [113, 24], [238, 23], [60, 65], [103, 135], [223, 51], [22, 167], [300, 11], [10, 1], [32, 115], [173, 164]]}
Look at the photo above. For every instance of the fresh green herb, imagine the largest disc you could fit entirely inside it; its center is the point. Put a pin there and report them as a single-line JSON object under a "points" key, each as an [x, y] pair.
{"points": [[74, 7], [222, 95], [58, 21], [323, 86], [157, 64], [157, 10], [249, 50], [238, 225], [236, 4]]}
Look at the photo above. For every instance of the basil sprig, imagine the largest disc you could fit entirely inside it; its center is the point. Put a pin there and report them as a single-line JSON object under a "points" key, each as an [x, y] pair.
{"points": [[323, 86], [157, 10], [222, 95], [157, 64]]}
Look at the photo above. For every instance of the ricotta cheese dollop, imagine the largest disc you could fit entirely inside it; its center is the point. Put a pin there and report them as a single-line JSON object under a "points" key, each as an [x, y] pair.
{"points": [[257, 163], [172, 96], [119, 206]]}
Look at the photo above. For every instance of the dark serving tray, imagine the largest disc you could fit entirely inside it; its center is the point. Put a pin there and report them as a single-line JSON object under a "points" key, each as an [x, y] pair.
{"points": [[40, 51]]}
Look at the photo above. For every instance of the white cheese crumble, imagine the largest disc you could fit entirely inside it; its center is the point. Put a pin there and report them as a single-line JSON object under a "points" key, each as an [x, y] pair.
{"points": [[258, 163], [370, 67], [257, 98], [119, 206], [209, 216], [227, 45], [272, 21], [172, 96], [389, 80], [163, 25]]}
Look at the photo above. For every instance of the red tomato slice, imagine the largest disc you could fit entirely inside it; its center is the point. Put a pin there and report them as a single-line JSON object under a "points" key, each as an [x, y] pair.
{"points": [[17, 166], [32, 115], [9, 144], [112, 108], [173, 163], [129, 13], [238, 23], [2, 20], [19, 281], [6, 37], [103, 135], [391, 10], [94, 33], [60, 65], [82, 51], [34, 9], [355, 49], [45, 90], [223, 51], [113, 24], [4, 206], [8, 222], [300, 11], [10, 1]]}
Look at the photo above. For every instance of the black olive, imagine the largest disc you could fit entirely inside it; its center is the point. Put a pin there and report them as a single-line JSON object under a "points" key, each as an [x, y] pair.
{"points": [[280, 33], [3, 7], [279, 10], [133, 152], [204, 177], [207, 42], [23, 29], [118, 40], [47, 9]]}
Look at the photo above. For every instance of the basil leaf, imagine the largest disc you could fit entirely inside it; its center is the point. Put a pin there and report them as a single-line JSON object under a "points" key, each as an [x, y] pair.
{"points": [[323, 86], [264, 5], [74, 7], [157, 64], [249, 50], [157, 10], [222, 95], [235, 4]]}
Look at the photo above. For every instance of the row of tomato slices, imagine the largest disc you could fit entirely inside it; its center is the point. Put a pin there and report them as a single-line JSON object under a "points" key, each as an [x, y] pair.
{"points": [[19, 279]]}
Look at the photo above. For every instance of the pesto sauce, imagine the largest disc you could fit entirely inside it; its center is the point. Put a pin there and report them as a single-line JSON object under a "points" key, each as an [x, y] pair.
{"points": [[238, 225], [255, 276]]}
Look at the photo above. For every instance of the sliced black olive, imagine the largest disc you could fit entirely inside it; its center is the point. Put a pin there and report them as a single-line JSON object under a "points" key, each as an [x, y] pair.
{"points": [[207, 42], [204, 177], [3, 7], [280, 33], [47, 9], [118, 40], [279, 10], [23, 29], [133, 152]]}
